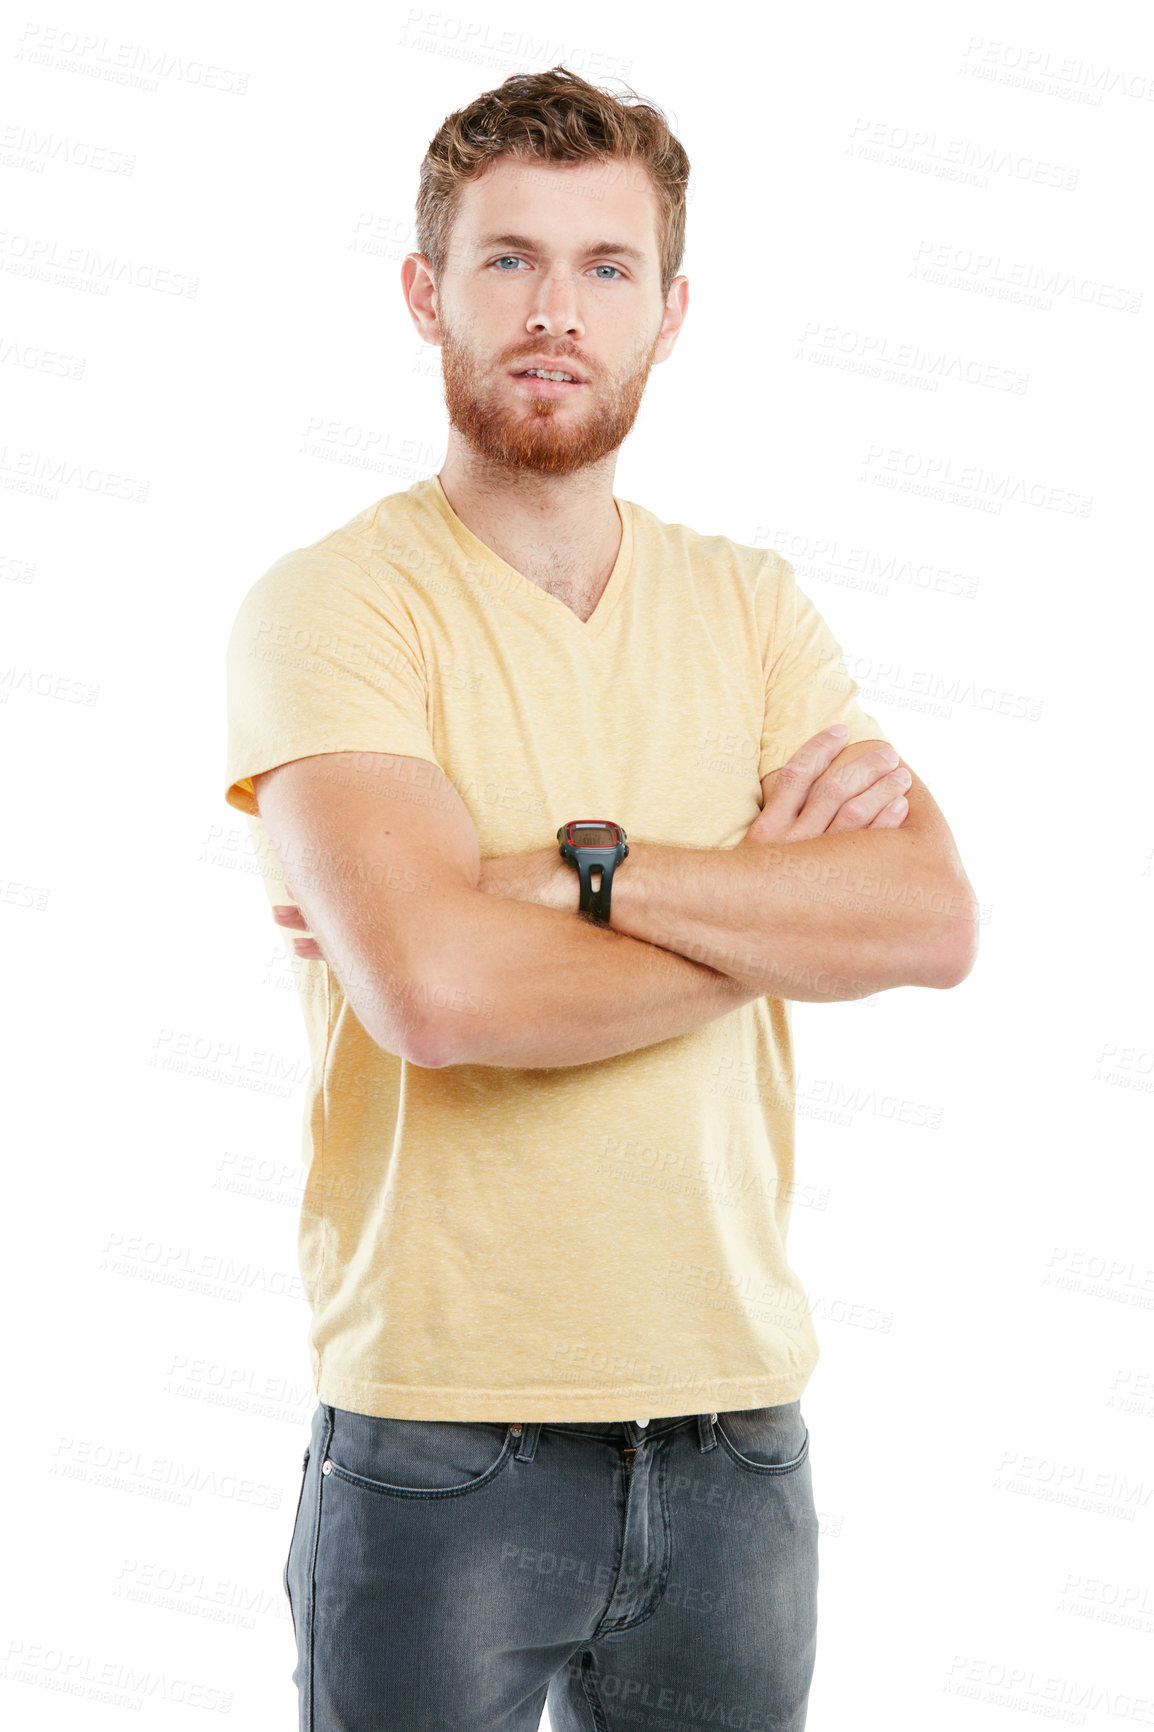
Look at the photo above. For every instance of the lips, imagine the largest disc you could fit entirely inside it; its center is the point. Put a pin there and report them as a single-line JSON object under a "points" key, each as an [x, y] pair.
{"points": [[532, 386], [561, 365]]}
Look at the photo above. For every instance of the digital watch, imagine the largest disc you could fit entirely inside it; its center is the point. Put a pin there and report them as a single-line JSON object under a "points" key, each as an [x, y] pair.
{"points": [[596, 847]]}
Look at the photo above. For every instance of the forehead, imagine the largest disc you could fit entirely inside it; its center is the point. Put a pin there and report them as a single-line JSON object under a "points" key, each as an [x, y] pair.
{"points": [[570, 207]]}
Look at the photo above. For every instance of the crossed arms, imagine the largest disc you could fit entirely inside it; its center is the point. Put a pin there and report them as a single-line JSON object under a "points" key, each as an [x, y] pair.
{"points": [[448, 959]]}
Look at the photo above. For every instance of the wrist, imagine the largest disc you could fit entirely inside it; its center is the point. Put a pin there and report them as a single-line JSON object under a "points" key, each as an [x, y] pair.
{"points": [[560, 887], [594, 848], [539, 875], [622, 899]]}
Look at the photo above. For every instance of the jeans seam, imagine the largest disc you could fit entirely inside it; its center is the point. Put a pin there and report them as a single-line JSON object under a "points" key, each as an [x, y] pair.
{"points": [[589, 1691], [767, 1468], [292, 1535], [310, 1621], [657, 1592], [429, 1494]]}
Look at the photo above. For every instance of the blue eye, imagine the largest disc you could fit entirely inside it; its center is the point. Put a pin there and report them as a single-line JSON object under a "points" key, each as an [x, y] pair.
{"points": [[514, 258]]}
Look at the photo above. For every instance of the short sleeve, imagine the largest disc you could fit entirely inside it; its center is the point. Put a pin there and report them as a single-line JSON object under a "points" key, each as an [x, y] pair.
{"points": [[322, 657], [807, 687]]}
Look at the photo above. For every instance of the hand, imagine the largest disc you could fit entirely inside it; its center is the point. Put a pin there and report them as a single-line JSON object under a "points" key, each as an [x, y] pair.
{"points": [[809, 796], [290, 915]]}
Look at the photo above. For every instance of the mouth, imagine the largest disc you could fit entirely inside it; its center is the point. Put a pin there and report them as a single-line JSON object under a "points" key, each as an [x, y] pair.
{"points": [[530, 382]]}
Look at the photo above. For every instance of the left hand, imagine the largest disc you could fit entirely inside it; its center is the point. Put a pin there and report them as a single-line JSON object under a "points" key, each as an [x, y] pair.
{"points": [[821, 791]]}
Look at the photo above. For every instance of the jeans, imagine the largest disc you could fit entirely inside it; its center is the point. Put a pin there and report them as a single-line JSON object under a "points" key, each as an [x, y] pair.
{"points": [[449, 1576]]}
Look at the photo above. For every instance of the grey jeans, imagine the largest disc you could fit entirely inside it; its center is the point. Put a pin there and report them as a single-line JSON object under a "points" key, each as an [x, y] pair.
{"points": [[449, 1576]]}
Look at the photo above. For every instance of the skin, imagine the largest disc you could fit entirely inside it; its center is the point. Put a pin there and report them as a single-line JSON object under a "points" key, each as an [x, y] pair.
{"points": [[799, 802]]}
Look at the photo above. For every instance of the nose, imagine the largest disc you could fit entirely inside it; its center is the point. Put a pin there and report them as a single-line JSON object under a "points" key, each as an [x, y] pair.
{"points": [[555, 311]]}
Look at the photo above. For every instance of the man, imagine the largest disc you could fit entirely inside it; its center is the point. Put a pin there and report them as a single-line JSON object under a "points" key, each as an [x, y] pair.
{"points": [[558, 1452]]}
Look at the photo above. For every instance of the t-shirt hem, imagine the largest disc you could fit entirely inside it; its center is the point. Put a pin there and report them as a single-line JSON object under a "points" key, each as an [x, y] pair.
{"points": [[545, 1404]]}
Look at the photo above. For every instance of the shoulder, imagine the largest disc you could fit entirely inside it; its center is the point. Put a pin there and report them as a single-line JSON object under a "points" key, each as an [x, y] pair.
{"points": [[758, 571], [698, 544], [360, 565]]}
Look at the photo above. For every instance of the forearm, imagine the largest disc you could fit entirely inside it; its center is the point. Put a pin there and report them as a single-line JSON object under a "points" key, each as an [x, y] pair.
{"points": [[538, 987], [836, 917]]}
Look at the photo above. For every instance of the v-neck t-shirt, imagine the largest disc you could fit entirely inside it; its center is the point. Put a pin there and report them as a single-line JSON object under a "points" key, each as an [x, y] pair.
{"points": [[585, 1242]]}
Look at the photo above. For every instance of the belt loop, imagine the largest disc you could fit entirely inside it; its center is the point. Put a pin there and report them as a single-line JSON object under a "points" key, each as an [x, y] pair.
{"points": [[528, 1435], [705, 1434]]}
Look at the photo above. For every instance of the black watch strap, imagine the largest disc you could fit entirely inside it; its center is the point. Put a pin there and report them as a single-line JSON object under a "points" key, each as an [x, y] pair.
{"points": [[595, 901], [596, 848]]}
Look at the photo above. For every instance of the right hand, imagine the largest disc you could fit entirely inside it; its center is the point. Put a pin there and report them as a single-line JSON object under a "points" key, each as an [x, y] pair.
{"points": [[288, 914], [812, 794]]}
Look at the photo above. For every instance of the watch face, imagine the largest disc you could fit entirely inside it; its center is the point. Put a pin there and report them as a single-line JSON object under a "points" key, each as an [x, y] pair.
{"points": [[592, 836]]}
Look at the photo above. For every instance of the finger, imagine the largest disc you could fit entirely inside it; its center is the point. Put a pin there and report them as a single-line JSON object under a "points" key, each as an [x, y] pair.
{"points": [[892, 816], [850, 780], [789, 785], [859, 812], [289, 915]]}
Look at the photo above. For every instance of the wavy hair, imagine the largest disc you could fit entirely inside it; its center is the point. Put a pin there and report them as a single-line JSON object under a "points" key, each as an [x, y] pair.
{"points": [[552, 116]]}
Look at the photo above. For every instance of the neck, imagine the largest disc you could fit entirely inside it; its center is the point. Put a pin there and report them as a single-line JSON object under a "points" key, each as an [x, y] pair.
{"points": [[560, 531]]}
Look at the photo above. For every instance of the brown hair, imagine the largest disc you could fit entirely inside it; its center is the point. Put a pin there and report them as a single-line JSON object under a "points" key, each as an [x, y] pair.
{"points": [[552, 116]]}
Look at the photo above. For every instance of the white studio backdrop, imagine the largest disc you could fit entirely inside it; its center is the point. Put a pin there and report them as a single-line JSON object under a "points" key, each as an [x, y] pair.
{"points": [[917, 363]]}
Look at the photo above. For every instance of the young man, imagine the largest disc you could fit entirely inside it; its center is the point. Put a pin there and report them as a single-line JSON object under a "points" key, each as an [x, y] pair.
{"points": [[570, 803]]}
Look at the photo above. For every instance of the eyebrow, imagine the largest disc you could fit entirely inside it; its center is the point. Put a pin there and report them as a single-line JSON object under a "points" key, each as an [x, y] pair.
{"points": [[526, 244]]}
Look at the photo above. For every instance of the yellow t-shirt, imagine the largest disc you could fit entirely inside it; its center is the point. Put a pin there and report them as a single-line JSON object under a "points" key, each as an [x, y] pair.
{"points": [[594, 1241]]}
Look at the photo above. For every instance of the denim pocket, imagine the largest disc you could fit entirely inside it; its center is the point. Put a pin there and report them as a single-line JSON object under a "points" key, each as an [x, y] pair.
{"points": [[293, 1535], [765, 1439], [419, 1458]]}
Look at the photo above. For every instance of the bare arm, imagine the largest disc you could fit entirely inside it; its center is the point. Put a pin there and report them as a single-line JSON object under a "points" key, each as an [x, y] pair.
{"points": [[808, 912], [835, 892], [384, 865], [552, 989]]}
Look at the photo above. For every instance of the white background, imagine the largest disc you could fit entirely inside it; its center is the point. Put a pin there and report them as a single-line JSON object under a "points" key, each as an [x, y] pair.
{"points": [[955, 198]]}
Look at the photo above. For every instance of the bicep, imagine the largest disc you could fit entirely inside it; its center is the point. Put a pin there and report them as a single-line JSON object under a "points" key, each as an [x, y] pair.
{"points": [[377, 850]]}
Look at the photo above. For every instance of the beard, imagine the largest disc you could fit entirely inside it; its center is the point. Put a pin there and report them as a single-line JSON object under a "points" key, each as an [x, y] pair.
{"points": [[540, 435]]}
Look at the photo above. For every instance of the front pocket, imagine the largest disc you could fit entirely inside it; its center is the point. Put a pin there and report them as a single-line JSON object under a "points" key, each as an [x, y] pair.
{"points": [[767, 1440], [416, 1458]]}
